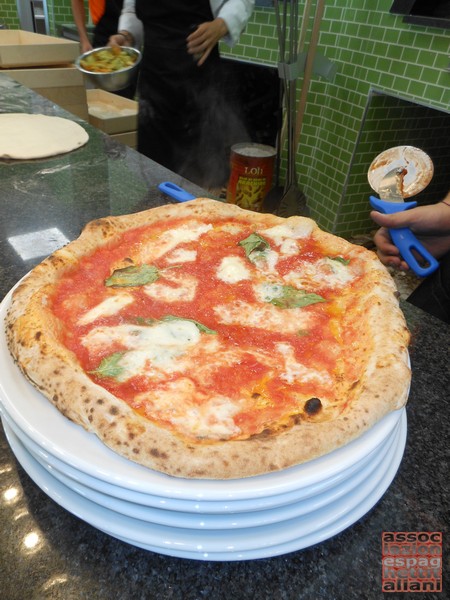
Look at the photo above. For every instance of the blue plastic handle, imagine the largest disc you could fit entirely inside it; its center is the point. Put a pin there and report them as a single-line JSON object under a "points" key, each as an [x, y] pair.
{"points": [[404, 238], [175, 191]]}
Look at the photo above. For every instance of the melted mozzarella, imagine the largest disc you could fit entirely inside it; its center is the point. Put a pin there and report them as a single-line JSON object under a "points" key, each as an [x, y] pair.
{"points": [[107, 308], [157, 346], [267, 291], [210, 419], [181, 255], [264, 316], [325, 271], [290, 230], [171, 239], [183, 289], [232, 269], [265, 261], [294, 371]]}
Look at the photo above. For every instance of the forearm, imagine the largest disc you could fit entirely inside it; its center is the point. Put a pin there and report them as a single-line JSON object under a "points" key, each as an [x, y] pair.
{"points": [[79, 17], [446, 200]]}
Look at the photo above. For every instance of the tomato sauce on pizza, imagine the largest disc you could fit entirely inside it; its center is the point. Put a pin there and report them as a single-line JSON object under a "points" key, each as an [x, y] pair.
{"points": [[231, 328], [214, 326]]}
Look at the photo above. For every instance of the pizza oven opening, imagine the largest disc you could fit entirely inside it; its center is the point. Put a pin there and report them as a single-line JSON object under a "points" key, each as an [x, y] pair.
{"points": [[431, 13], [393, 121]]}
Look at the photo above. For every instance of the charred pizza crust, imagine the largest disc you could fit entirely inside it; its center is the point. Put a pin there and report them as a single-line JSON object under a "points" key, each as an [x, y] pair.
{"points": [[381, 346]]}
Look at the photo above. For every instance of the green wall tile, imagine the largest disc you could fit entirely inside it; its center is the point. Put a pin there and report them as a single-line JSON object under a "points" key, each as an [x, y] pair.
{"points": [[387, 70]]}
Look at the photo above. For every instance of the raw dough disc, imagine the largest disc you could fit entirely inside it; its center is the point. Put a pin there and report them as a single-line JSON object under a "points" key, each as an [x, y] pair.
{"points": [[24, 136]]}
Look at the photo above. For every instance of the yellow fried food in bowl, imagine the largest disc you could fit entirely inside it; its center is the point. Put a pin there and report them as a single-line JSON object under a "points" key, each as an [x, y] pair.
{"points": [[107, 60]]}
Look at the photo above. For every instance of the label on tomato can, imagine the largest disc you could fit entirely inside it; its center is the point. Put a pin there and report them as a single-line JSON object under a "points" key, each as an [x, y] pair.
{"points": [[251, 175]]}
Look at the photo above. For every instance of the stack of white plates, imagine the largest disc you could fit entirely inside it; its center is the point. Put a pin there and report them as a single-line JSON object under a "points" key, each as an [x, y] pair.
{"points": [[237, 519]]}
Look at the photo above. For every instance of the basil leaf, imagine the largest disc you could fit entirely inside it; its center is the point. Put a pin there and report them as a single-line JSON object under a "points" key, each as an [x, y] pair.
{"points": [[291, 297], [343, 261], [109, 366], [133, 276], [254, 242], [302, 332], [202, 328], [144, 321]]}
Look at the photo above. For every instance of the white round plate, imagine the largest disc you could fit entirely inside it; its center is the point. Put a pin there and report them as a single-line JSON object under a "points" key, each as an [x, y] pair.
{"points": [[78, 478], [241, 544], [218, 521]]}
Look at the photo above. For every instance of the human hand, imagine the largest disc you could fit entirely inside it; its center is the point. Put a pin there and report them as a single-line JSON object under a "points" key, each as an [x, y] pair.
{"points": [[205, 37], [121, 39], [85, 46], [430, 224]]}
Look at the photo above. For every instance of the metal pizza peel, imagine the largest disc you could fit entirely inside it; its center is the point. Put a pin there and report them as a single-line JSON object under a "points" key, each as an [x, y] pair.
{"points": [[396, 174]]}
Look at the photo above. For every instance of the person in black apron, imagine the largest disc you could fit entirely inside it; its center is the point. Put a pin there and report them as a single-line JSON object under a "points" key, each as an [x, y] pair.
{"points": [[107, 25], [185, 120], [104, 28]]}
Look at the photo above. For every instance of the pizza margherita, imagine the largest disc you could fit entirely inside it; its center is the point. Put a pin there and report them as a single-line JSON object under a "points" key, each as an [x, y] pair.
{"points": [[206, 341]]}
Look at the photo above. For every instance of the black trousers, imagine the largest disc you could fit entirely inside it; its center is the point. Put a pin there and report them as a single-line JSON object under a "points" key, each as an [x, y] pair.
{"points": [[433, 294]]}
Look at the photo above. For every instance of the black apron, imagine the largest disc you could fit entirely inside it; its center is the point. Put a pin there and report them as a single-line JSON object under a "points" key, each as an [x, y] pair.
{"points": [[181, 105], [433, 294], [107, 25]]}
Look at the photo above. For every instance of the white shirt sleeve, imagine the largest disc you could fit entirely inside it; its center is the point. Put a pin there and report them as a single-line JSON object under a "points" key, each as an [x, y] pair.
{"points": [[236, 14], [128, 21]]}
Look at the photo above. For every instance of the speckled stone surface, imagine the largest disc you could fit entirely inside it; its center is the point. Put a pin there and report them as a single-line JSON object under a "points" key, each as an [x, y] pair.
{"points": [[48, 553]]}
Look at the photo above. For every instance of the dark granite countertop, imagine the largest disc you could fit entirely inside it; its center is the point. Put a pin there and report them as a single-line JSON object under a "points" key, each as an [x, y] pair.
{"points": [[69, 559]]}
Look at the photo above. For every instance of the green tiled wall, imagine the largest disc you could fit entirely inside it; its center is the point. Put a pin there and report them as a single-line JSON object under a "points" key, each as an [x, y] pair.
{"points": [[376, 54], [391, 121], [60, 11], [386, 70], [8, 14]]}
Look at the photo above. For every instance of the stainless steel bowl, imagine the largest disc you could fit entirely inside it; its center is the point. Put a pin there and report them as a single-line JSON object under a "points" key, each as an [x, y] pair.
{"points": [[115, 80]]}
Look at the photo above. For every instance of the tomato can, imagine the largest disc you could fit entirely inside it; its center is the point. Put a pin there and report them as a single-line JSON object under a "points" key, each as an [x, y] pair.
{"points": [[251, 174]]}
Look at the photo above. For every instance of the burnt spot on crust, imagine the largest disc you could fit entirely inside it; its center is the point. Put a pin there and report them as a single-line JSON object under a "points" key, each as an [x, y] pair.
{"points": [[313, 406], [100, 401], [37, 335], [114, 411], [158, 454], [55, 260]]}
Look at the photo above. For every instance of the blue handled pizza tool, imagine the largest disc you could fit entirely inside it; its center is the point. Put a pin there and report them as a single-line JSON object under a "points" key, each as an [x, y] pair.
{"points": [[396, 174], [175, 191]]}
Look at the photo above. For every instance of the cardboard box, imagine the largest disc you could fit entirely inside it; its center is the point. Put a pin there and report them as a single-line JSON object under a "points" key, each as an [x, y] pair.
{"points": [[25, 49], [111, 113], [63, 86], [129, 138]]}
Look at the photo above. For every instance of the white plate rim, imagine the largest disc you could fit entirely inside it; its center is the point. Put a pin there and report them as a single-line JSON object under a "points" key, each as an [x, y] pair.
{"points": [[192, 506], [229, 520], [100, 517]]}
